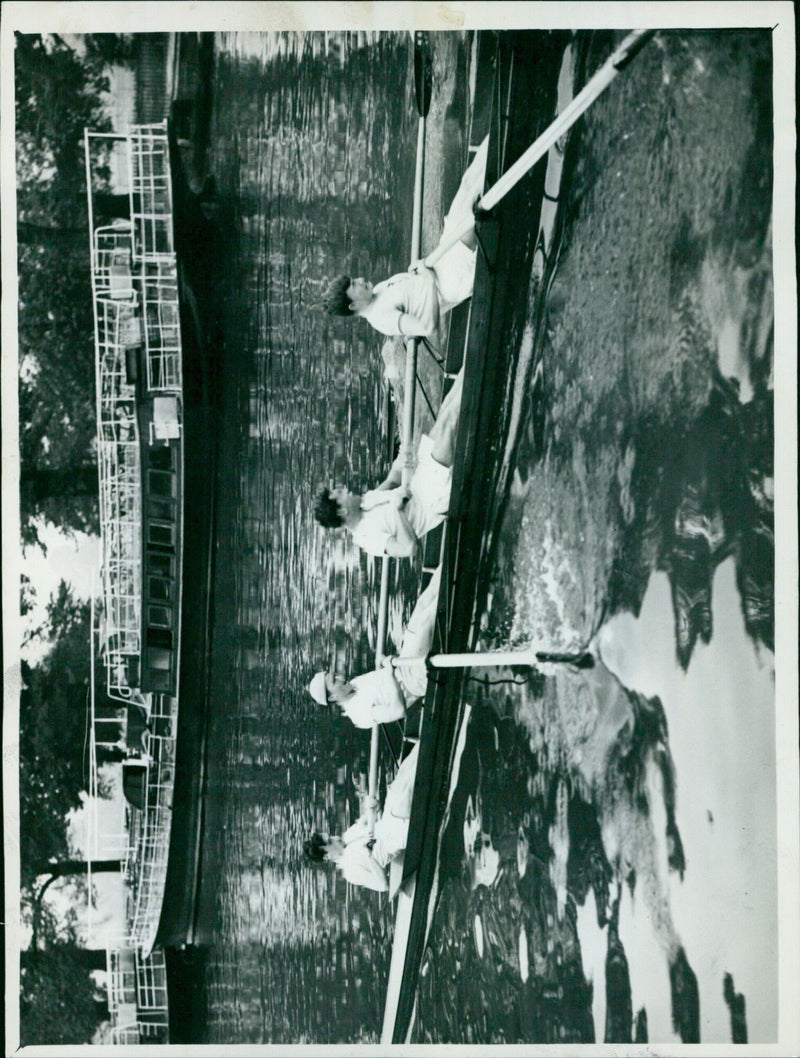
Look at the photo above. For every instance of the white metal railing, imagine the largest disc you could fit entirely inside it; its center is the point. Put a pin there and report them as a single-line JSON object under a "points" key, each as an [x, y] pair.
{"points": [[135, 258], [147, 866], [151, 192], [154, 249], [119, 470], [112, 261], [151, 981], [162, 333], [112, 838], [138, 1004], [137, 333], [138, 835], [135, 295], [152, 293]]}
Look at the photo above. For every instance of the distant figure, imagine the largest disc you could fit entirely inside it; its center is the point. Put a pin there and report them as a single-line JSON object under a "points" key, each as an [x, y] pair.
{"points": [[383, 695], [410, 303], [361, 859], [389, 520]]}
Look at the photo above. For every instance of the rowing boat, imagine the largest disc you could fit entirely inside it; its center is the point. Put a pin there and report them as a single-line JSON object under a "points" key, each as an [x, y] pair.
{"points": [[511, 69], [474, 340]]}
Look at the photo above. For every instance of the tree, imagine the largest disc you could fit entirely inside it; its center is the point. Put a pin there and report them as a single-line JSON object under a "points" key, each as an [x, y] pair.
{"points": [[59, 1000], [55, 872], [59, 90], [64, 868], [53, 734], [27, 596]]}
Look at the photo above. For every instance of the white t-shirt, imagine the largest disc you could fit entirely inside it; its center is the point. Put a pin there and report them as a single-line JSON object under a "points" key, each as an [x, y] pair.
{"points": [[406, 293], [418, 638], [377, 699], [391, 830], [377, 525], [451, 279], [359, 867], [426, 507]]}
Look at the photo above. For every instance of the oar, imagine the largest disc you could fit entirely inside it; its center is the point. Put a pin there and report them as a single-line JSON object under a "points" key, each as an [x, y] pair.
{"points": [[422, 93], [423, 81], [493, 659], [624, 54], [423, 73], [423, 76]]}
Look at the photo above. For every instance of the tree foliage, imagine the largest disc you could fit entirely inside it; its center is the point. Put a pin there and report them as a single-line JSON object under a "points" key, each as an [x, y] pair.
{"points": [[53, 734], [59, 90], [59, 1000]]}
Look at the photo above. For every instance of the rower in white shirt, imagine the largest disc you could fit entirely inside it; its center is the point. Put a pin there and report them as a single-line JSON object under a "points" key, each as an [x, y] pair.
{"points": [[391, 520], [411, 303], [383, 695], [363, 860]]}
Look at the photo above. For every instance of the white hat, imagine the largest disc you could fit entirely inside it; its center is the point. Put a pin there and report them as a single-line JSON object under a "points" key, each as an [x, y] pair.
{"points": [[318, 689]]}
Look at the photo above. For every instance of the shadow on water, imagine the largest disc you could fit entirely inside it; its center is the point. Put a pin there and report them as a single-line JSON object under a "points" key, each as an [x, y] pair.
{"points": [[565, 764]]}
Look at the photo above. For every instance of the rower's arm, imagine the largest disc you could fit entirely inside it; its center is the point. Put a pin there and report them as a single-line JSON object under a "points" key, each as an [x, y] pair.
{"points": [[404, 543], [392, 705], [359, 868], [394, 477], [409, 326]]}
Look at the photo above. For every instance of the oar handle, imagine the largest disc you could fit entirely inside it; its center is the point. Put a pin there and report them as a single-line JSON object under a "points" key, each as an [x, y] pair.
{"points": [[423, 73], [635, 42]]}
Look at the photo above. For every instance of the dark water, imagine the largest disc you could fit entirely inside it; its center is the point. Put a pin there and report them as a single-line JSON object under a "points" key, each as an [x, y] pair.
{"points": [[599, 807], [311, 150]]}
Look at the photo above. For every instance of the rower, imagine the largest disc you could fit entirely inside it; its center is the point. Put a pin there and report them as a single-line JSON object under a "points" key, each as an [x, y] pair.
{"points": [[391, 519], [411, 303], [363, 859], [383, 695]]}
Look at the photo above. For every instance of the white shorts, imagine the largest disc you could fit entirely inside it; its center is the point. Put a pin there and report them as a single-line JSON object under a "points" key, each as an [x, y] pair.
{"points": [[418, 638], [455, 273], [430, 490], [455, 276]]}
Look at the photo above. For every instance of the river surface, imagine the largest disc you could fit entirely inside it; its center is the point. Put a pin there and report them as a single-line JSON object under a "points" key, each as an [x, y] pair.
{"points": [[609, 872]]}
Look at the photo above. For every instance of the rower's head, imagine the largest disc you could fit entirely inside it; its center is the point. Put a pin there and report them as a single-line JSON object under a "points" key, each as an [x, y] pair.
{"points": [[337, 507], [335, 300], [360, 294], [314, 847], [327, 688], [321, 849], [347, 297]]}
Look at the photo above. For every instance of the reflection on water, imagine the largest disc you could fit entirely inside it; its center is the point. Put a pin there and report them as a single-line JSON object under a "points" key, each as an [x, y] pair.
{"points": [[645, 450], [304, 130], [567, 763], [637, 526]]}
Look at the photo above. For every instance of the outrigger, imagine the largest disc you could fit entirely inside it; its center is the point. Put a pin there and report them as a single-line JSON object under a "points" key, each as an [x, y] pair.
{"points": [[414, 876]]}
